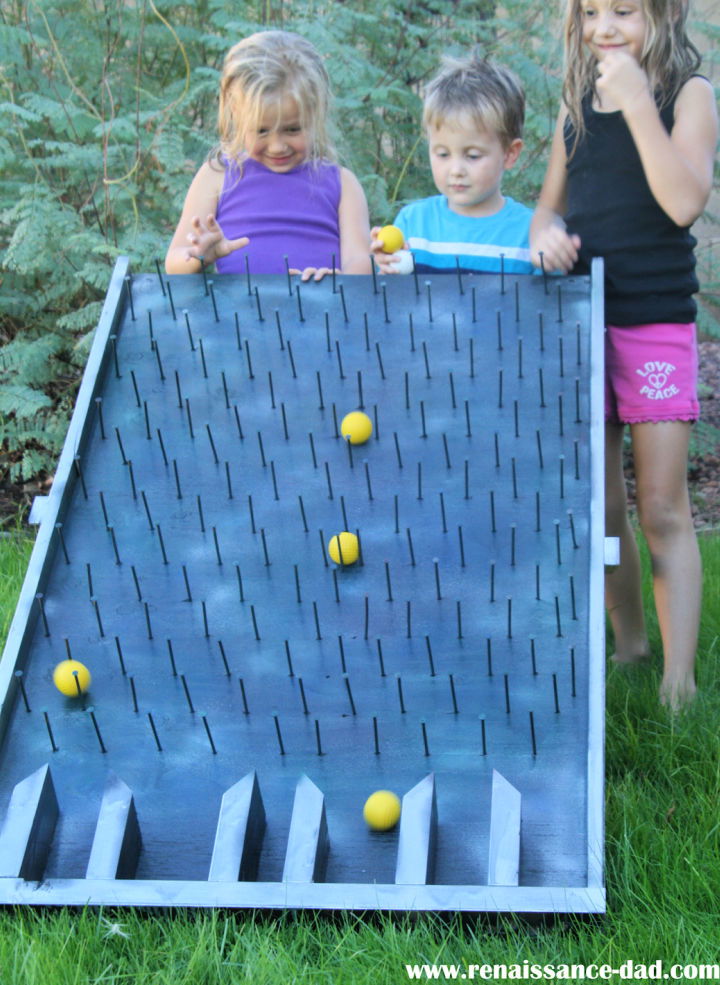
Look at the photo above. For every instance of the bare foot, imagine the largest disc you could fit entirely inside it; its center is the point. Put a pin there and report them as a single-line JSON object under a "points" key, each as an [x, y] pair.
{"points": [[633, 655], [677, 693]]}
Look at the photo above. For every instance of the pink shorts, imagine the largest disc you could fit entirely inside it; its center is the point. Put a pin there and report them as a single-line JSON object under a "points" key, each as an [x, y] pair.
{"points": [[651, 373]]}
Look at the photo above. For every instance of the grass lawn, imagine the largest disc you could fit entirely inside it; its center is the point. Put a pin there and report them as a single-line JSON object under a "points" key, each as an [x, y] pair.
{"points": [[662, 860]]}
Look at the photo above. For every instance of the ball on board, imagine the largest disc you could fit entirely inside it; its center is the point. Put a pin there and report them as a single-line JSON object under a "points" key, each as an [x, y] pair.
{"points": [[382, 810], [356, 427], [391, 238], [344, 548], [67, 673]]}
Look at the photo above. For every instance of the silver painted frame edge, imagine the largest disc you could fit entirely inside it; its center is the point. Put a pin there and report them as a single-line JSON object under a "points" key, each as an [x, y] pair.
{"points": [[26, 613], [596, 621]]}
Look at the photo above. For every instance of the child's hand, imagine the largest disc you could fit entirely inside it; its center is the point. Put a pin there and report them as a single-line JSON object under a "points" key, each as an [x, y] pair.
{"points": [[208, 242], [620, 81], [316, 273], [553, 248], [387, 263]]}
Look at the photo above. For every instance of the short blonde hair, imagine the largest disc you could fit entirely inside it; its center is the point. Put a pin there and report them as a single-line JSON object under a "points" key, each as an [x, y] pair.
{"points": [[486, 91], [257, 73]]}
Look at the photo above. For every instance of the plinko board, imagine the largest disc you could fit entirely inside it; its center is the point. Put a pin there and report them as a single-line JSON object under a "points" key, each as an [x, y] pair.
{"points": [[283, 609]]}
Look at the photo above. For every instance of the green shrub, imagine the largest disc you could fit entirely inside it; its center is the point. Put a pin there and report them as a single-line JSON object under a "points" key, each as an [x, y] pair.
{"points": [[106, 111]]}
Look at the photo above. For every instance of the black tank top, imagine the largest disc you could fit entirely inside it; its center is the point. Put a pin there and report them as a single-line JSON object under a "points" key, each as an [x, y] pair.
{"points": [[649, 260]]}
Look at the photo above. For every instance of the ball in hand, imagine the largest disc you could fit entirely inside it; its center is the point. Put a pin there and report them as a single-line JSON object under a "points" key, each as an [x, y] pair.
{"points": [[356, 427], [391, 238], [382, 810], [404, 263], [344, 548], [67, 673]]}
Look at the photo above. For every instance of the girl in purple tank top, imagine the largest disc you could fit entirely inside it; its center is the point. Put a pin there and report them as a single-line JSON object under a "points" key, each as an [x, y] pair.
{"points": [[271, 196]]}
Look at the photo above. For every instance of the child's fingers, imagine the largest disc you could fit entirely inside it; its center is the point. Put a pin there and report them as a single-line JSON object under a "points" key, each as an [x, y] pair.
{"points": [[316, 273], [568, 252], [376, 245], [387, 263], [556, 250], [306, 273], [237, 244]]}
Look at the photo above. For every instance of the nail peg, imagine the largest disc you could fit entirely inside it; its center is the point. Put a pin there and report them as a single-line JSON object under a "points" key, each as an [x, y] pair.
{"points": [[91, 713], [401, 699], [380, 658], [428, 289], [243, 694], [209, 733], [171, 654], [301, 686], [23, 692], [256, 631], [453, 694], [424, 735], [317, 739], [50, 731]]}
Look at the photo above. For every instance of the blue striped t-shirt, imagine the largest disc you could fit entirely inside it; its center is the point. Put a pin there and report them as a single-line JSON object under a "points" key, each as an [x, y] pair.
{"points": [[438, 237]]}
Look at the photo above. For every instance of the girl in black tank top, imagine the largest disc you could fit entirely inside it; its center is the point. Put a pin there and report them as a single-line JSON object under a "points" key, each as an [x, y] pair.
{"points": [[630, 170]]}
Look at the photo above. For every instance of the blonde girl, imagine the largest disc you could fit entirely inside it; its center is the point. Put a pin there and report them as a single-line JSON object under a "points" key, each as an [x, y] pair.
{"points": [[272, 194], [630, 170]]}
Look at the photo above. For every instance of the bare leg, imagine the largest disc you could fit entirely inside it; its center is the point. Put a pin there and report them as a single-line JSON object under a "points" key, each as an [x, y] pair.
{"points": [[623, 595], [661, 451]]}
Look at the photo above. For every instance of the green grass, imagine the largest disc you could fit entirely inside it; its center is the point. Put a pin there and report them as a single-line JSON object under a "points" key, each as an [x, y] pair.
{"points": [[662, 858]]}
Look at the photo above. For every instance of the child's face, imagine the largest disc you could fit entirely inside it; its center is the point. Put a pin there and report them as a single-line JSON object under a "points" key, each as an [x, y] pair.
{"points": [[468, 165], [280, 142], [614, 25]]}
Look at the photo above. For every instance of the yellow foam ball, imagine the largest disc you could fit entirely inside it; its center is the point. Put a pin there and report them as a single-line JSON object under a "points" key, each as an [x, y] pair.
{"points": [[356, 427], [391, 238], [344, 548], [382, 810], [67, 673]]}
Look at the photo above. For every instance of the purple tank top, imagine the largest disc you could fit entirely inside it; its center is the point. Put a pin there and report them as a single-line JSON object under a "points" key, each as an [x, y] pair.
{"points": [[294, 214]]}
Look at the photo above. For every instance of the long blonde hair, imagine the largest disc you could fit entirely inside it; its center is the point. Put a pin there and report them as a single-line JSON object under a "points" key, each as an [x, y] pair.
{"points": [[668, 57], [258, 71]]}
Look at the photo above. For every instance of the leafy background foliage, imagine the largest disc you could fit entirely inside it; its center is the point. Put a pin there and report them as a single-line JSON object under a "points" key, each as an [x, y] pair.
{"points": [[108, 107]]}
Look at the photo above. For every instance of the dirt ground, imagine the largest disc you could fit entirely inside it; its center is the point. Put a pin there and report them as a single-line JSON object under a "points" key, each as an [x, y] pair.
{"points": [[705, 471]]}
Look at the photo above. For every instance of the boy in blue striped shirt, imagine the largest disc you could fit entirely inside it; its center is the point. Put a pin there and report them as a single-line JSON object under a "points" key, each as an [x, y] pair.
{"points": [[473, 117]]}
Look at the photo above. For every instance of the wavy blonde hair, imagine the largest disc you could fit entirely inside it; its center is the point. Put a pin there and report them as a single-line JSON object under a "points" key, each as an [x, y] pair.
{"points": [[668, 57], [257, 73]]}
